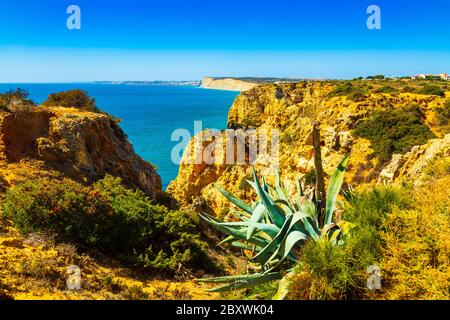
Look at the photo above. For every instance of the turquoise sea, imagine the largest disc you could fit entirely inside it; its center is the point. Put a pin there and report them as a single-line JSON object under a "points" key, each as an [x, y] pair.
{"points": [[150, 113]]}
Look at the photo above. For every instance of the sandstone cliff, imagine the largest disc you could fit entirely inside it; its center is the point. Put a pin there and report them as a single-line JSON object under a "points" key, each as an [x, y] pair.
{"points": [[410, 166], [81, 145], [229, 84], [291, 109]]}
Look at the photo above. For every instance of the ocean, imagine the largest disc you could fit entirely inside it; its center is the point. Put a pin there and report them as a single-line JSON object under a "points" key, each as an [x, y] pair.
{"points": [[150, 113]]}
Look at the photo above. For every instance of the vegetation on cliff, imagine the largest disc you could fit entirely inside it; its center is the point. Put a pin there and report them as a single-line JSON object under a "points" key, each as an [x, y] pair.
{"points": [[74, 192], [15, 99], [110, 218], [71, 99], [387, 125], [394, 131], [278, 225]]}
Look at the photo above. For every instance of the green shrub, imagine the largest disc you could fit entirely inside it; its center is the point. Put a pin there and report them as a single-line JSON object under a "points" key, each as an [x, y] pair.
{"points": [[339, 272], [394, 131], [354, 93], [432, 90], [387, 89], [377, 77], [110, 218], [17, 98], [443, 113], [71, 99], [368, 209], [409, 89], [438, 168], [357, 95], [310, 177]]}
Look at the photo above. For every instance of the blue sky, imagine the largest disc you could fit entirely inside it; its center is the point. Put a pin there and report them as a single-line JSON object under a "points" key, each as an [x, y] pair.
{"points": [[182, 40]]}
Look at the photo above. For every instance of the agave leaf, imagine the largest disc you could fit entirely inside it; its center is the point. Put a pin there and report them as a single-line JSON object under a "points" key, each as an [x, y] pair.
{"points": [[240, 234], [288, 244], [226, 279], [275, 216], [226, 240], [240, 215], [283, 286], [256, 218], [286, 204], [248, 282], [310, 229], [234, 224], [271, 229], [266, 253], [243, 246], [265, 185], [334, 188], [241, 204], [252, 184], [281, 193], [310, 209]]}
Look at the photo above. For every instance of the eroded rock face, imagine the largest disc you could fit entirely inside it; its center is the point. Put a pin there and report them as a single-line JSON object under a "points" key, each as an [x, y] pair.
{"points": [[81, 145], [290, 108], [411, 165], [226, 84]]}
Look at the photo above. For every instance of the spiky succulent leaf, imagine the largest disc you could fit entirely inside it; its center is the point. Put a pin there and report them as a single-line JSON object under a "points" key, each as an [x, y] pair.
{"points": [[248, 282], [266, 201], [334, 188], [266, 253], [283, 286], [241, 204], [257, 215], [240, 234]]}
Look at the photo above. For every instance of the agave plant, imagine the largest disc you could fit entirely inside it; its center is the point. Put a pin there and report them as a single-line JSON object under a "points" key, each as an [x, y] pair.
{"points": [[276, 226]]}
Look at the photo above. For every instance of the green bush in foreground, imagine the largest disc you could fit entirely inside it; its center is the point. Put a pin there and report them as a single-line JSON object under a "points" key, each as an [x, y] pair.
{"points": [[110, 218], [339, 272]]}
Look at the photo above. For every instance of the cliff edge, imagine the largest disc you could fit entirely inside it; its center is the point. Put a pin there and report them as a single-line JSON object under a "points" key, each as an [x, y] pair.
{"points": [[81, 145], [356, 118]]}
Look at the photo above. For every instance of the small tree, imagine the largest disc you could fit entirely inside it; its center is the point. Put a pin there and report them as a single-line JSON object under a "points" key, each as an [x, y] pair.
{"points": [[71, 99]]}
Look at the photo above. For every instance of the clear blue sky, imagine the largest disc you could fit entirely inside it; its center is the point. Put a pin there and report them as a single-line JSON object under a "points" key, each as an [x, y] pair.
{"points": [[187, 39]]}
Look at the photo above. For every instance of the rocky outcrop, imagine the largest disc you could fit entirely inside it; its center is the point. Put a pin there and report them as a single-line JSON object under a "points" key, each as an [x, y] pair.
{"points": [[81, 145], [229, 84], [411, 165], [290, 109]]}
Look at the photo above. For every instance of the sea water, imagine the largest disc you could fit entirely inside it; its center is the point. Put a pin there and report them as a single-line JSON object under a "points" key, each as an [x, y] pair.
{"points": [[150, 113]]}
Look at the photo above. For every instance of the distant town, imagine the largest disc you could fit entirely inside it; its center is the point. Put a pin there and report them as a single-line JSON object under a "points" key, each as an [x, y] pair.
{"points": [[256, 80], [441, 76], [194, 83]]}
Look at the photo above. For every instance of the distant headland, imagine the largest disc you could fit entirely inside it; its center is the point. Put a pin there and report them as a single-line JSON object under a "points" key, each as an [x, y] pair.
{"points": [[240, 83]]}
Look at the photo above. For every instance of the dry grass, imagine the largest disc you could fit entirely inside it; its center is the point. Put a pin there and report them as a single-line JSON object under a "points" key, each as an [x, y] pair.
{"points": [[36, 268]]}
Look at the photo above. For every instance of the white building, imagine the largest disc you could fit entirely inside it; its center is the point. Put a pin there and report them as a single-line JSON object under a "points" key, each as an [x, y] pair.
{"points": [[443, 76]]}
